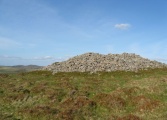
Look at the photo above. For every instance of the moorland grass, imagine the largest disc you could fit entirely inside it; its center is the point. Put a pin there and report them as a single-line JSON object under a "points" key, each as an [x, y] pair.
{"points": [[40, 95]]}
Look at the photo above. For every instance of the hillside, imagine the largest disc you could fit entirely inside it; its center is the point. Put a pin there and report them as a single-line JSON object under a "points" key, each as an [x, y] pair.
{"points": [[18, 68], [93, 62]]}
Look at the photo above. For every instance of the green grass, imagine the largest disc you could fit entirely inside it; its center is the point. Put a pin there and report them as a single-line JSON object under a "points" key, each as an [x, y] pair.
{"points": [[39, 95]]}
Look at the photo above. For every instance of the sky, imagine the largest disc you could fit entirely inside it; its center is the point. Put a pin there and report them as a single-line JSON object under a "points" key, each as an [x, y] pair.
{"points": [[41, 32]]}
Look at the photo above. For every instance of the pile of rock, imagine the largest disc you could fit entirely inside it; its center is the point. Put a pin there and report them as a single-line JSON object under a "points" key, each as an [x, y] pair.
{"points": [[93, 62]]}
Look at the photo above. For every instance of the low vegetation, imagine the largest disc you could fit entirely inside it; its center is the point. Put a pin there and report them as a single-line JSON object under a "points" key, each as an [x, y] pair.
{"points": [[119, 95], [18, 68]]}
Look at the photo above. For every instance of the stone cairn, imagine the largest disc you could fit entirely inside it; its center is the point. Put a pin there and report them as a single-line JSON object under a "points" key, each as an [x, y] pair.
{"points": [[93, 62]]}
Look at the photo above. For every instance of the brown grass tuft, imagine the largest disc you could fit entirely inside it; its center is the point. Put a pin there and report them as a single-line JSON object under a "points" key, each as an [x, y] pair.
{"points": [[40, 110], [77, 103], [129, 117], [4, 75], [143, 103], [110, 101]]}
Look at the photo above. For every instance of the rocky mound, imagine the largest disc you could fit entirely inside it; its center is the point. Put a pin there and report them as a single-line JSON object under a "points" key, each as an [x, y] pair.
{"points": [[93, 62]]}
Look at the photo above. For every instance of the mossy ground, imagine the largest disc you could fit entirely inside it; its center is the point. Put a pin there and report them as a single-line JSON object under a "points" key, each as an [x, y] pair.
{"points": [[39, 95]]}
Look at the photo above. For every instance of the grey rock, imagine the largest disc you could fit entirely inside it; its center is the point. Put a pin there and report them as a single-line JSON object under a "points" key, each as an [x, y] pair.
{"points": [[93, 62]]}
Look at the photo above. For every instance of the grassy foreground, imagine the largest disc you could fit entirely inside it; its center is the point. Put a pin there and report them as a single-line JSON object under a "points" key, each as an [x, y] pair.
{"points": [[39, 95]]}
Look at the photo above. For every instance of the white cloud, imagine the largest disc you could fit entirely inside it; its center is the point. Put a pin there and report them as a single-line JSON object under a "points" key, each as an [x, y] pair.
{"points": [[154, 51], [6, 43], [43, 58], [35, 58], [14, 60], [9, 57], [161, 59], [122, 26]]}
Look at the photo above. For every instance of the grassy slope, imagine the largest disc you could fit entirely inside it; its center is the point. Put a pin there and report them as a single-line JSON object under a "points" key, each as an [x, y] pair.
{"points": [[39, 95], [4, 69], [16, 69]]}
